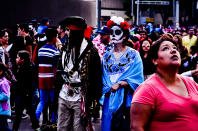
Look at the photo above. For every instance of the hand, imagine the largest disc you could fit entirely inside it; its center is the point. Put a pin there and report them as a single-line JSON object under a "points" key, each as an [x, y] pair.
{"points": [[115, 87], [58, 44], [195, 72]]}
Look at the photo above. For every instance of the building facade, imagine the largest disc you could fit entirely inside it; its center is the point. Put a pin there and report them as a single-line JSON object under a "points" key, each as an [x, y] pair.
{"points": [[159, 12], [184, 12], [23, 11]]}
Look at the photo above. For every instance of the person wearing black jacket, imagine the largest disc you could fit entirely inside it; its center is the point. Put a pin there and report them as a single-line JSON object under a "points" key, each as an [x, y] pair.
{"points": [[24, 89], [83, 78]]}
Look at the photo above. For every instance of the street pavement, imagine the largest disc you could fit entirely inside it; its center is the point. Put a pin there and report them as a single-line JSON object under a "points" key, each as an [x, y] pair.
{"points": [[26, 125]]}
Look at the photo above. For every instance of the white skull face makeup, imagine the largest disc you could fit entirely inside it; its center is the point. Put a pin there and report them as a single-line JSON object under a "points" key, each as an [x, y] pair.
{"points": [[116, 34]]}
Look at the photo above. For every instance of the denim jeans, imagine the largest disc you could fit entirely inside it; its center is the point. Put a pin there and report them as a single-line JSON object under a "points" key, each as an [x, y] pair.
{"points": [[35, 97], [44, 93]]}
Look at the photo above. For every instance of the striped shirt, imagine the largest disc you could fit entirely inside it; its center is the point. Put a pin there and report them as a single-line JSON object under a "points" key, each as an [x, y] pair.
{"points": [[47, 59]]}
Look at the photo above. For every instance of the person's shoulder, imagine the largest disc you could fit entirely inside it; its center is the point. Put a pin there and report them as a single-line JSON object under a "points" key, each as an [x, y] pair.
{"points": [[187, 79], [152, 79], [28, 38], [132, 50], [28, 68], [42, 47], [4, 81], [108, 53], [147, 92], [53, 48], [132, 53], [194, 37], [151, 83], [93, 50], [185, 38], [41, 29], [49, 47], [189, 82], [48, 51], [96, 39]]}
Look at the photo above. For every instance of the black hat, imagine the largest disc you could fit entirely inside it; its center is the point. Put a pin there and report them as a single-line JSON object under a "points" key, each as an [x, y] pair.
{"points": [[74, 23]]}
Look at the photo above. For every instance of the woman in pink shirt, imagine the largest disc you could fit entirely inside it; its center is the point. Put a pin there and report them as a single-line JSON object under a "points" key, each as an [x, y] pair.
{"points": [[166, 101]]}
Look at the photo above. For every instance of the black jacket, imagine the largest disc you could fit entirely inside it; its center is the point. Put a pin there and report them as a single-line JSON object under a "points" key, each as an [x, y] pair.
{"points": [[25, 77], [93, 78]]}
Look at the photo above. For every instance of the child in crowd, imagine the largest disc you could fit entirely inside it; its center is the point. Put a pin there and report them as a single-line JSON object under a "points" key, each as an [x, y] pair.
{"points": [[5, 110], [24, 89]]}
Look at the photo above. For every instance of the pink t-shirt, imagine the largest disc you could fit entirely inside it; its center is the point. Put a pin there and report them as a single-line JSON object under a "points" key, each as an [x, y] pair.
{"points": [[171, 111]]}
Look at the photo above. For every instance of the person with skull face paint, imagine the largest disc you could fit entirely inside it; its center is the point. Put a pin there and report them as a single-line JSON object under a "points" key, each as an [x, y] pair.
{"points": [[82, 76], [122, 74]]}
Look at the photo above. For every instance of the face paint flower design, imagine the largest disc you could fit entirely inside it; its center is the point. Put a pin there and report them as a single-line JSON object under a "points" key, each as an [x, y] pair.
{"points": [[118, 21], [117, 25]]}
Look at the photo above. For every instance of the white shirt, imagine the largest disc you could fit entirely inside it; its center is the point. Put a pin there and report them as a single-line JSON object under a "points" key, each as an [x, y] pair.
{"points": [[75, 78]]}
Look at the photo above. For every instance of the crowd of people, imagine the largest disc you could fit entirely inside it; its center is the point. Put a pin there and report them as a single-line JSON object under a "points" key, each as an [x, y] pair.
{"points": [[141, 77]]}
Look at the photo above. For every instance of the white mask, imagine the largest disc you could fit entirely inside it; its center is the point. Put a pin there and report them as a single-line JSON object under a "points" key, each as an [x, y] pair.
{"points": [[116, 35]]}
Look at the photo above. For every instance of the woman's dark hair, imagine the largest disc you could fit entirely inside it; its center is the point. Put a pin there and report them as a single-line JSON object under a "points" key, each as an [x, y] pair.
{"points": [[153, 52], [179, 38], [181, 48], [2, 33], [179, 42], [24, 55], [24, 27], [75, 40], [126, 34], [141, 50], [3, 68]]}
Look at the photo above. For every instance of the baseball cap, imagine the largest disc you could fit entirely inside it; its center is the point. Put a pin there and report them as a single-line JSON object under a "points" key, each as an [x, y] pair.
{"points": [[105, 30]]}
